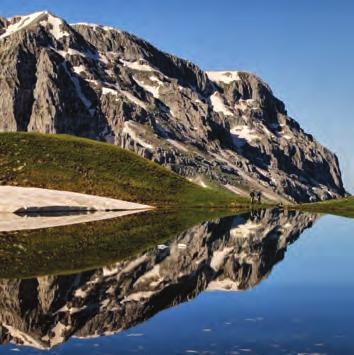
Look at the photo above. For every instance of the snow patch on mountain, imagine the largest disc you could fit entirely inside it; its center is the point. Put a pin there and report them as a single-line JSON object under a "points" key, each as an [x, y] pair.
{"points": [[44, 18], [19, 23], [56, 26], [244, 132], [96, 26], [226, 77], [78, 89], [138, 65], [134, 99], [218, 104], [153, 90]]}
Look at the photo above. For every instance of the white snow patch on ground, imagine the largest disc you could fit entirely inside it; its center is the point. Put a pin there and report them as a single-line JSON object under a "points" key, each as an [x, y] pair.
{"points": [[78, 89], [116, 91], [244, 132], [24, 22], [85, 54], [249, 104], [226, 77], [106, 91], [138, 65], [57, 25], [95, 26], [134, 99], [130, 128], [79, 69], [156, 79], [13, 199], [154, 90], [110, 28], [79, 92], [218, 104], [109, 90], [84, 24]]}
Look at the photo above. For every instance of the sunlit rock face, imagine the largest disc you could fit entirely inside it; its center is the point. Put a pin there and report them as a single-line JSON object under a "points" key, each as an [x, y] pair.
{"points": [[230, 254], [102, 83]]}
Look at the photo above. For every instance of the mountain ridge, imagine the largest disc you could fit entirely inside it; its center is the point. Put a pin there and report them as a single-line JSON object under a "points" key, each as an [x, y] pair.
{"points": [[106, 84]]}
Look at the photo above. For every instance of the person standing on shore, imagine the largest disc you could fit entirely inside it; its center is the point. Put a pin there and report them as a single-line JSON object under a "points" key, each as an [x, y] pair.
{"points": [[259, 197], [252, 196]]}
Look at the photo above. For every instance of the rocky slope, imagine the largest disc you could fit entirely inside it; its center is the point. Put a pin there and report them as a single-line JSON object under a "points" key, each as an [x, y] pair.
{"points": [[101, 83], [233, 254]]}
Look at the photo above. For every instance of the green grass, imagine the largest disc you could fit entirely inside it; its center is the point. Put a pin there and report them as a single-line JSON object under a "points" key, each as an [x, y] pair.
{"points": [[75, 248], [341, 207], [69, 163]]}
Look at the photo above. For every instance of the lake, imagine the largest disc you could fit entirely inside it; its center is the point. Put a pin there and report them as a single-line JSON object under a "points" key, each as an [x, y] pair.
{"points": [[266, 282]]}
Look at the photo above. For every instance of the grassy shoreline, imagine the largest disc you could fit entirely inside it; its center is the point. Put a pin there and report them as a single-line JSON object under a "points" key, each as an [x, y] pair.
{"points": [[340, 207]]}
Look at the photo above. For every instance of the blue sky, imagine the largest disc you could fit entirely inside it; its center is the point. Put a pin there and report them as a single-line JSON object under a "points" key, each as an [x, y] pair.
{"points": [[304, 49]]}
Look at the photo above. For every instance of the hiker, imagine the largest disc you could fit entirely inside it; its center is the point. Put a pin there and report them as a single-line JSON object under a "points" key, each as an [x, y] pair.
{"points": [[252, 195], [259, 197]]}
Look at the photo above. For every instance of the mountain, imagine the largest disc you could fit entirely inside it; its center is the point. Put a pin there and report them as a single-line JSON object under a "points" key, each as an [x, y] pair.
{"points": [[232, 253], [220, 127]]}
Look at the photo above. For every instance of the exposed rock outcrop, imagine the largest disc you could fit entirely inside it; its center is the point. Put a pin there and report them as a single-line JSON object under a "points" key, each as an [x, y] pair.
{"points": [[102, 83]]}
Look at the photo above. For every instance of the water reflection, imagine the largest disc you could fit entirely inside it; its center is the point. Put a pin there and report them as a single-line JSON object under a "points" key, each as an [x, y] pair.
{"points": [[233, 253], [37, 219]]}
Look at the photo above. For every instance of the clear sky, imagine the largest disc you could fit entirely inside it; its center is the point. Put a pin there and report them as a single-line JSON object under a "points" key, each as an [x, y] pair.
{"points": [[303, 48]]}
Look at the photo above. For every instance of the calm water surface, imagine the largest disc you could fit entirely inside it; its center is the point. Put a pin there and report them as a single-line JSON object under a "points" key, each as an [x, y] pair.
{"points": [[265, 283]]}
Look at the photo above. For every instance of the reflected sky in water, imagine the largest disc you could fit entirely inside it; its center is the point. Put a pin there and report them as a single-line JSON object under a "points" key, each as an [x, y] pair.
{"points": [[295, 293]]}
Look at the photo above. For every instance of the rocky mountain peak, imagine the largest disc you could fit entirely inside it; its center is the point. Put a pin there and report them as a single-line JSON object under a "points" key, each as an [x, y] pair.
{"points": [[98, 82]]}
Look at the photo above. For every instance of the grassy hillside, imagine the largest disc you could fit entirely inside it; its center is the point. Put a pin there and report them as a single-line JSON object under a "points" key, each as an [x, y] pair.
{"points": [[341, 207], [69, 163]]}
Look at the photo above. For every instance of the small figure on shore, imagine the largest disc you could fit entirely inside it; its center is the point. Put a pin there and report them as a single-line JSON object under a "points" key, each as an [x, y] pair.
{"points": [[259, 196], [252, 196]]}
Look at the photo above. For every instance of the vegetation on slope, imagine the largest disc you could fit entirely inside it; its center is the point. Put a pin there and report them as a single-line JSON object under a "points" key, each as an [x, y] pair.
{"points": [[69, 163], [341, 207]]}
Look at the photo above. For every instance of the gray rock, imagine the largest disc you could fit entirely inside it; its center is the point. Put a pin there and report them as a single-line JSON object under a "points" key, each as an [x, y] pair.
{"points": [[105, 84]]}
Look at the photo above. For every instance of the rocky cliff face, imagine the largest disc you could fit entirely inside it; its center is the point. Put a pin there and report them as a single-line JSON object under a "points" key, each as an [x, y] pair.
{"points": [[101, 83], [234, 253]]}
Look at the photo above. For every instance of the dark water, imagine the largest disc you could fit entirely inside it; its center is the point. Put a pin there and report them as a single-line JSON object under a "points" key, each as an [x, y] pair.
{"points": [[270, 283]]}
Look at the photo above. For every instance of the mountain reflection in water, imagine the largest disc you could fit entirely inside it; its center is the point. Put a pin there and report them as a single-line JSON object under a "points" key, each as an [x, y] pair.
{"points": [[233, 253]]}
